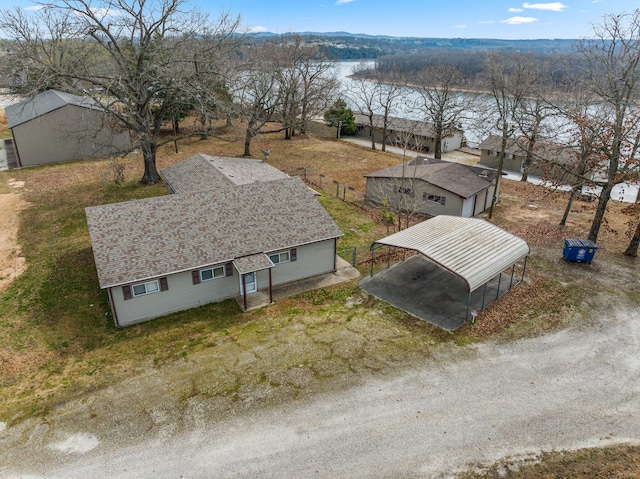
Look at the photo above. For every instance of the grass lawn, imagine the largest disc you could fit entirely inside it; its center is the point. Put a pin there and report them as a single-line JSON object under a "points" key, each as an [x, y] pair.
{"points": [[58, 342]]}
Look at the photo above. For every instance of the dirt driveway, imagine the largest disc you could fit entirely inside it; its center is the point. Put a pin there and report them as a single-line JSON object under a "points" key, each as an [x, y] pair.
{"points": [[11, 263], [575, 388]]}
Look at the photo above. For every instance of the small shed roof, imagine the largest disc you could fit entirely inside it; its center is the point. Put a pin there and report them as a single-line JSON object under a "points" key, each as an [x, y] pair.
{"points": [[462, 180], [44, 103], [204, 172], [142, 239], [471, 248]]}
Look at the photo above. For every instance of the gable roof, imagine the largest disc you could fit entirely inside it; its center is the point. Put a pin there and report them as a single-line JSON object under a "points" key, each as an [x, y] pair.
{"points": [[415, 127], [494, 143], [544, 150], [203, 172], [471, 248], [462, 180], [44, 103], [142, 239]]}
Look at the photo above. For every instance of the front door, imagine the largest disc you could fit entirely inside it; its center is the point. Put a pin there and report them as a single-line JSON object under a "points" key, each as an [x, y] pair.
{"points": [[250, 281]]}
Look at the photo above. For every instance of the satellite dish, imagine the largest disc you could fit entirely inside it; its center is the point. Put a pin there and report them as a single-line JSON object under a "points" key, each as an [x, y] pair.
{"points": [[266, 154]]}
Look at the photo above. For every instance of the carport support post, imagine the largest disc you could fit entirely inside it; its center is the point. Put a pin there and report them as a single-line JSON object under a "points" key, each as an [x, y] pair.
{"points": [[499, 280], [388, 257], [372, 259], [468, 307], [484, 292], [524, 268], [513, 270]]}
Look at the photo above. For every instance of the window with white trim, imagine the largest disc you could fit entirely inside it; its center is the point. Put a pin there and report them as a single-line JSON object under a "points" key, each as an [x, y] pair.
{"points": [[149, 287], [434, 198], [212, 273], [282, 257]]}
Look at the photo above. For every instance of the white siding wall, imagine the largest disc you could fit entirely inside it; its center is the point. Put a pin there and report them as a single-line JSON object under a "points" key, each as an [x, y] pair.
{"points": [[312, 260], [182, 294], [68, 133], [379, 189]]}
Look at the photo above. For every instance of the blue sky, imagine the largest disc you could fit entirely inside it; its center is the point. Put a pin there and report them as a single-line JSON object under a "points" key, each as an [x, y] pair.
{"points": [[507, 19], [426, 18]]}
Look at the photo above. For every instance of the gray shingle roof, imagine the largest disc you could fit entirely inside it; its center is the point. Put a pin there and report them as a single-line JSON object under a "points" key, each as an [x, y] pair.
{"points": [[462, 180], [544, 150], [141, 239], [416, 127], [204, 172], [44, 103]]}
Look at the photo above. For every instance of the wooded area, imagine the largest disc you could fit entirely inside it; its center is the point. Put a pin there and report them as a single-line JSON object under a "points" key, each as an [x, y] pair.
{"points": [[155, 62]]}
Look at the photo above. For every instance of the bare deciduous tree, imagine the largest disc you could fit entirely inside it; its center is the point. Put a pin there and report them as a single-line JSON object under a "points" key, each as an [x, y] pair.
{"points": [[441, 104], [510, 81], [133, 57], [613, 59], [363, 93]]}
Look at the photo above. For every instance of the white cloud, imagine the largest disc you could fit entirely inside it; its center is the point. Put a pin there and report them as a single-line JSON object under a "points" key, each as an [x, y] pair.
{"points": [[460, 26], [100, 13], [552, 7], [258, 29], [342, 2], [486, 22], [34, 8], [515, 10], [519, 20]]}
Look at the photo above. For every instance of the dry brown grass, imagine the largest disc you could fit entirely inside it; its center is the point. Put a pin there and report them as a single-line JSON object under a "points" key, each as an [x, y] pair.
{"points": [[4, 129], [56, 343], [345, 162]]}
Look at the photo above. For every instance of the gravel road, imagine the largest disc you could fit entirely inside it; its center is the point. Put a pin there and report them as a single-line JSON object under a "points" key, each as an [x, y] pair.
{"points": [[575, 388]]}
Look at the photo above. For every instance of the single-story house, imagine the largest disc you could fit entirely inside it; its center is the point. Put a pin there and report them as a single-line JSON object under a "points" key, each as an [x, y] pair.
{"points": [[401, 132], [57, 126], [433, 187], [545, 154], [228, 231]]}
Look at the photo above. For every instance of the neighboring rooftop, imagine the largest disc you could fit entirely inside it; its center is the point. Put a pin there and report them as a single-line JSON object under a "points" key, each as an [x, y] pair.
{"points": [[462, 180], [43, 103], [544, 150], [415, 127], [142, 239], [202, 172]]}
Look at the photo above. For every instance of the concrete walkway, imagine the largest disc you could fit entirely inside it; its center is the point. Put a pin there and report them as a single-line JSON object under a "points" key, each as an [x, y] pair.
{"points": [[260, 298]]}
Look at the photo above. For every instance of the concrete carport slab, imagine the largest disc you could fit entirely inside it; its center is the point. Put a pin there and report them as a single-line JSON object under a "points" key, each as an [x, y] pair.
{"points": [[468, 257], [431, 293]]}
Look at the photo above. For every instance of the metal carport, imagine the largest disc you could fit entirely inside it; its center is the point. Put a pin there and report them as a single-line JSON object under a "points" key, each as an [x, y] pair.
{"points": [[471, 248]]}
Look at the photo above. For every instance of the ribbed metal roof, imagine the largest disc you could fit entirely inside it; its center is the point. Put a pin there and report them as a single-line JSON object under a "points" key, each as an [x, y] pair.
{"points": [[43, 103], [471, 248]]}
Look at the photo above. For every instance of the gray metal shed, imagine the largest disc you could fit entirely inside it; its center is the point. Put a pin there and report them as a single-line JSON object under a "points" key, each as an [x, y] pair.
{"points": [[57, 126], [471, 248]]}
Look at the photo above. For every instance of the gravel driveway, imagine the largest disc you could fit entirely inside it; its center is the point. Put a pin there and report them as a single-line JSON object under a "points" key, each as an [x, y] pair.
{"points": [[575, 388]]}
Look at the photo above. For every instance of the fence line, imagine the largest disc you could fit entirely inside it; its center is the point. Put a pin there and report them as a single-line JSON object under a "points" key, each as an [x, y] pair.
{"points": [[345, 193]]}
